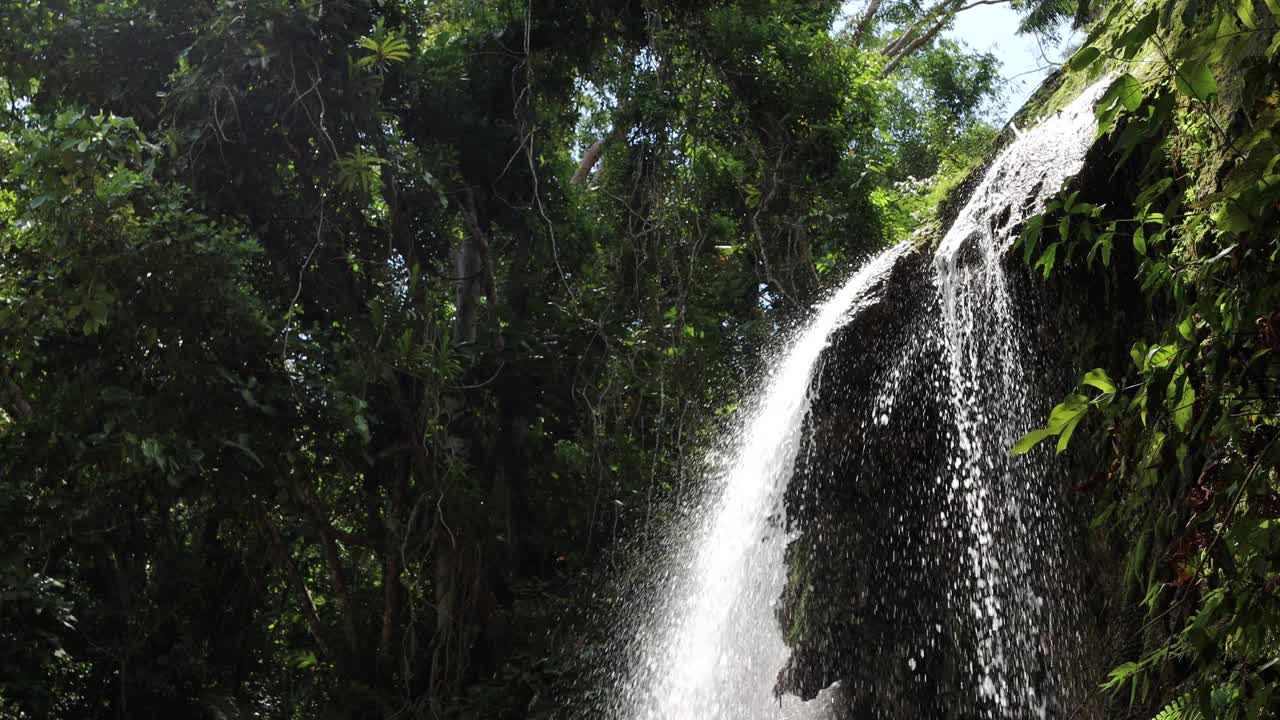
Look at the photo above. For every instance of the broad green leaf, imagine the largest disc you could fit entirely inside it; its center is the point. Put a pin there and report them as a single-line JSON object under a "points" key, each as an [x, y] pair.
{"points": [[1106, 112], [1232, 218], [1104, 244], [1244, 11], [1130, 93], [1064, 437], [1031, 236], [1138, 354], [1029, 441], [1273, 6], [1048, 258], [1098, 378], [1135, 37], [1067, 411], [1159, 356], [1180, 399], [1062, 420], [1084, 58], [1194, 79], [1186, 329]]}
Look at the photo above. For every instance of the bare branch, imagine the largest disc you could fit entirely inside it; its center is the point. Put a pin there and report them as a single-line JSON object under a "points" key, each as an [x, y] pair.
{"points": [[589, 160], [916, 44], [471, 220], [864, 23], [15, 402], [935, 19], [286, 563], [332, 560]]}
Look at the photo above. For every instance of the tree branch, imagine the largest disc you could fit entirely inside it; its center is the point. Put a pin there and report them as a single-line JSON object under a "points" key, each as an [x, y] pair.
{"points": [[916, 45], [589, 160], [15, 402], [910, 41], [471, 220], [333, 561], [864, 23], [286, 563]]}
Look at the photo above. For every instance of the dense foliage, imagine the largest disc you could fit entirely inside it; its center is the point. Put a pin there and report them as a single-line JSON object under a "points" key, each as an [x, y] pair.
{"points": [[344, 339], [1187, 425]]}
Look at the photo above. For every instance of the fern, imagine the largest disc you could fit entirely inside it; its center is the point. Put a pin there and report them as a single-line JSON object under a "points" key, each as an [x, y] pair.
{"points": [[1179, 709], [385, 47]]}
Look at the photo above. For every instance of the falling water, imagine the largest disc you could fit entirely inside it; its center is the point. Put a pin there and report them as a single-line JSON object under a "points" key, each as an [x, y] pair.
{"points": [[712, 649], [715, 649], [1017, 594]]}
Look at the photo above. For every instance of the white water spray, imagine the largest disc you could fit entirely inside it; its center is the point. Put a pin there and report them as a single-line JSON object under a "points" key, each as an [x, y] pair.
{"points": [[715, 649], [1017, 598]]}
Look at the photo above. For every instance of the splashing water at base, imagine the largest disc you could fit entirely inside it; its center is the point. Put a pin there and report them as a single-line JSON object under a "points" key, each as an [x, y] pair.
{"points": [[714, 649]]}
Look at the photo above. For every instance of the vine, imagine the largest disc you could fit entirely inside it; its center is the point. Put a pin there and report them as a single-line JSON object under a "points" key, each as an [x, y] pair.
{"points": [[1191, 424]]}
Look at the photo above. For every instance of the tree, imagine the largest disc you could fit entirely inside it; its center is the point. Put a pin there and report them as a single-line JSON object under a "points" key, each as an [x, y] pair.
{"points": [[330, 374]]}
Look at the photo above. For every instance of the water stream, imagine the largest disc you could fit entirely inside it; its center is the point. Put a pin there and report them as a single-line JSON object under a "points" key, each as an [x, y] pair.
{"points": [[715, 649]]}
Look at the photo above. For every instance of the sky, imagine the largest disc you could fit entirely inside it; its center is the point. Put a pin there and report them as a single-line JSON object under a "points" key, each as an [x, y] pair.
{"points": [[994, 28]]}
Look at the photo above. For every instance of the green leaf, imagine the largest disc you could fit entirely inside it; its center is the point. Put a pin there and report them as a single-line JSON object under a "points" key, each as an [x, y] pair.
{"points": [[1047, 259], [1029, 441], [1121, 673], [1230, 217], [1273, 6], [1159, 356], [1186, 329], [1084, 58], [1064, 437], [1098, 378], [1103, 244], [1194, 79], [1067, 411], [1031, 236], [1244, 11], [1180, 399], [1063, 420], [1135, 37], [1130, 93], [304, 659]]}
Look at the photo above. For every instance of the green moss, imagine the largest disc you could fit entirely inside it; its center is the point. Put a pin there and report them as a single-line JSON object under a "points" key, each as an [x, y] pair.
{"points": [[798, 592]]}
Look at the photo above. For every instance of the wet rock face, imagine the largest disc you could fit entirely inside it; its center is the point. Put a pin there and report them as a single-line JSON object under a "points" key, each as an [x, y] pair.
{"points": [[882, 539], [867, 603]]}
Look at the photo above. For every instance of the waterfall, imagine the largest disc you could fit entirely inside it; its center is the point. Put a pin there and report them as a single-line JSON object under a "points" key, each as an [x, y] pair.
{"points": [[711, 648], [714, 649], [1023, 609]]}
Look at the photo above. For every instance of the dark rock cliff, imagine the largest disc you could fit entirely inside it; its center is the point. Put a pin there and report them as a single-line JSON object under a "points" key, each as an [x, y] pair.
{"points": [[880, 546]]}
